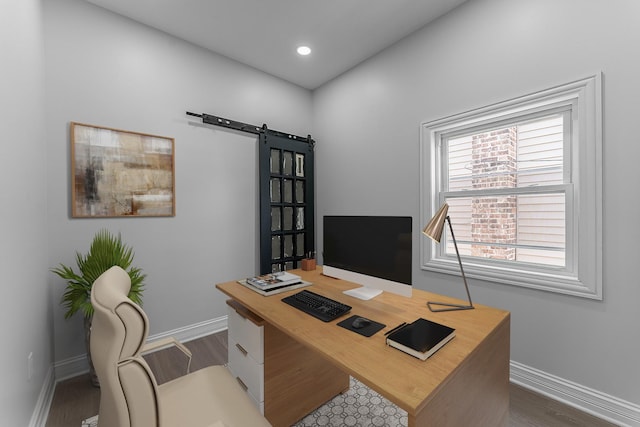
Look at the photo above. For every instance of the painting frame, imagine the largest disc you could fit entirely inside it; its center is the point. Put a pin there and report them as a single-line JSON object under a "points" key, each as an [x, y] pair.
{"points": [[121, 173]]}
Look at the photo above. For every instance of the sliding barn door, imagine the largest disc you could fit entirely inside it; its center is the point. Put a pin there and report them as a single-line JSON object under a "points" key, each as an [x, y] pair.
{"points": [[286, 201]]}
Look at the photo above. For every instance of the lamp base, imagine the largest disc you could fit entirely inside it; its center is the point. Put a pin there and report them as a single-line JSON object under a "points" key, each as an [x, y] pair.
{"points": [[448, 307]]}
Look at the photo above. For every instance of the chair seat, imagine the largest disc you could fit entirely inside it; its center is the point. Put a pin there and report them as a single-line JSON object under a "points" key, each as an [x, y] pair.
{"points": [[208, 394]]}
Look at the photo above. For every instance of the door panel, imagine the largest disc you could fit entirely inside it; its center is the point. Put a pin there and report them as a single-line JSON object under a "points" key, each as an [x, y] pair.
{"points": [[286, 201]]}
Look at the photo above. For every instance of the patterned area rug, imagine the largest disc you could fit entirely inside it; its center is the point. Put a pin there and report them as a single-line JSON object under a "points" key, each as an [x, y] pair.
{"points": [[360, 406]]}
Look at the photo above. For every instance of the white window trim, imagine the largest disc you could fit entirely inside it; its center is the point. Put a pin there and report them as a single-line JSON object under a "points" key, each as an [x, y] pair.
{"points": [[584, 239]]}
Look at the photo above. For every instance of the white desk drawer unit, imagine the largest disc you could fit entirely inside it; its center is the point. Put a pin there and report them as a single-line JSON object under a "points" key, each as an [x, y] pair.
{"points": [[246, 351]]}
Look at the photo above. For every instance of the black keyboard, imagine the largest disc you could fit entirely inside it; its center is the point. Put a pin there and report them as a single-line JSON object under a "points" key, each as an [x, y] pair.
{"points": [[316, 305]]}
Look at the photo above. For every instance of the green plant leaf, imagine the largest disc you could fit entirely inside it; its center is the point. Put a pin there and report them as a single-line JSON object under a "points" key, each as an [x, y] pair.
{"points": [[106, 250]]}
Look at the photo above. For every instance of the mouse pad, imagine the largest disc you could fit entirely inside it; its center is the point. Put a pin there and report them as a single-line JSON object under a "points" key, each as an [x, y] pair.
{"points": [[367, 331]]}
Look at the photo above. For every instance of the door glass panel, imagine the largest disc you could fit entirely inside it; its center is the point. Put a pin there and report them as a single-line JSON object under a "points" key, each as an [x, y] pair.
{"points": [[275, 247], [275, 161], [288, 191], [299, 191], [288, 245], [276, 220], [275, 190], [289, 265], [300, 164], [300, 219], [287, 218], [287, 163], [300, 244]]}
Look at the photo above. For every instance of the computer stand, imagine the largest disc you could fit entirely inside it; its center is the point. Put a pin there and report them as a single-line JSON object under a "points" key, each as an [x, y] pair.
{"points": [[363, 293]]}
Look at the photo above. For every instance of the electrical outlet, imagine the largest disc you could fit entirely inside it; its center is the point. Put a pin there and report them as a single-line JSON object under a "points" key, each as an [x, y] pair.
{"points": [[30, 366]]}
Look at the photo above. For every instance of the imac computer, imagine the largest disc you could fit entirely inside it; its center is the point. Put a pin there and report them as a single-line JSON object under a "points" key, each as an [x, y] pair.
{"points": [[372, 251]]}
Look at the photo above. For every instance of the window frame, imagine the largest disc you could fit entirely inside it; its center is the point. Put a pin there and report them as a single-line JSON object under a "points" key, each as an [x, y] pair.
{"points": [[582, 274]]}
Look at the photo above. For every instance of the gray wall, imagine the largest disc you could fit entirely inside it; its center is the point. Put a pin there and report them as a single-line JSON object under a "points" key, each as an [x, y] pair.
{"points": [[367, 124], [106, 70], [25, 307]]}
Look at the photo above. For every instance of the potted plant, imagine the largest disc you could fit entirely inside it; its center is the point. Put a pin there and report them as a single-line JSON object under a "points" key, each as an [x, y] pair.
{"points": [[106, 250]]}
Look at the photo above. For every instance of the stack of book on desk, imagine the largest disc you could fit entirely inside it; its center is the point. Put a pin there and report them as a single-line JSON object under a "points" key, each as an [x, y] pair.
{"points": [[421, 338], [274, 283]]}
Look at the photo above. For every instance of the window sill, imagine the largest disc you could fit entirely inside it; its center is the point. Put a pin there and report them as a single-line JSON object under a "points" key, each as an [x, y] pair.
{"points": [[549, 282]]}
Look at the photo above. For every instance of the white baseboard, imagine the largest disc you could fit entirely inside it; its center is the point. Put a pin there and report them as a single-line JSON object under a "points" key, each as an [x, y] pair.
{"points": [[79, 365], [71, 367], [195, 331], [41, 411], [601, 405]]}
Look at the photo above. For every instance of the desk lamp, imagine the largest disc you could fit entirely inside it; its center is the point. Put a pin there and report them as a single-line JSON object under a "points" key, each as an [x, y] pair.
{"points": [[433, 230]]}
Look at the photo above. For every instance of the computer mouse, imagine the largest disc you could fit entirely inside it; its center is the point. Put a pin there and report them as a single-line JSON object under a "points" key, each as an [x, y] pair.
{"points": [[360, 322]]}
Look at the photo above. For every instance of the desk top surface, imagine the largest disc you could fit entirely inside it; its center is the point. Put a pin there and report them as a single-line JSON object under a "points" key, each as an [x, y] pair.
{"points": [[403, 379]]}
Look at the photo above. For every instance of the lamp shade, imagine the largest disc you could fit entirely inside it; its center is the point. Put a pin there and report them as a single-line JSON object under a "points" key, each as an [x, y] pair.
{"points": [[434, 228]]}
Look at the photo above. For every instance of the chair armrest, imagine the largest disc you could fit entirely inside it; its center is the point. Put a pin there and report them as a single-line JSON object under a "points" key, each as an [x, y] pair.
{"points": [[163, 343]]}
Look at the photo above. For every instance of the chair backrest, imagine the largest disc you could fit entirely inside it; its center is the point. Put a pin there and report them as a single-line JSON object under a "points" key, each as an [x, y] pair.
{"points": [[119, 329]]}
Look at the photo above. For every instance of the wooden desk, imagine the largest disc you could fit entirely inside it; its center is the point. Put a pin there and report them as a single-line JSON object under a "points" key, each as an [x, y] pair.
{"points": [[466, 383]]}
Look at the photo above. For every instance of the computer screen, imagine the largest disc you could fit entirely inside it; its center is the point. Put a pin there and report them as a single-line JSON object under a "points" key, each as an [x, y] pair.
{"points": [[372, 251]]}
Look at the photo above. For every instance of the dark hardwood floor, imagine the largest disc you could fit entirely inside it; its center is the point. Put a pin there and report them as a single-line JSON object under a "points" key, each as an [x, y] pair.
{"points": [[76, 399]]}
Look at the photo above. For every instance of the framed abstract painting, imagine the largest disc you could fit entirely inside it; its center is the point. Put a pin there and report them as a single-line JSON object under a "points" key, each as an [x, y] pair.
{"points": [[117, 173]]}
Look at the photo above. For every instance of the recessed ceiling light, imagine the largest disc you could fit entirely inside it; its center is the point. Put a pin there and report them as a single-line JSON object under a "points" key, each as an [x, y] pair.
{"points": [[303, 50]]}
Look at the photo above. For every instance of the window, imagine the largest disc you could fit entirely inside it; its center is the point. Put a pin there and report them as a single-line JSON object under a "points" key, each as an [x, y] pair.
{"points": [[523, 180]]}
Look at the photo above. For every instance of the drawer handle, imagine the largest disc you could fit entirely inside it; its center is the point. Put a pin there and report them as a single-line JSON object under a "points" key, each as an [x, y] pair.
{"points": [[243, 385], [242, 350]]}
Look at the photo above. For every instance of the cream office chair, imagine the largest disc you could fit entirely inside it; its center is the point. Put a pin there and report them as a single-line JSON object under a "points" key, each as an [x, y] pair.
{"points": [[129, 393]]}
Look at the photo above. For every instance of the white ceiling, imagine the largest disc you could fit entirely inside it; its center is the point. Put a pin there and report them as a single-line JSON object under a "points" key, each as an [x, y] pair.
{"points": [[265, 33]]}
